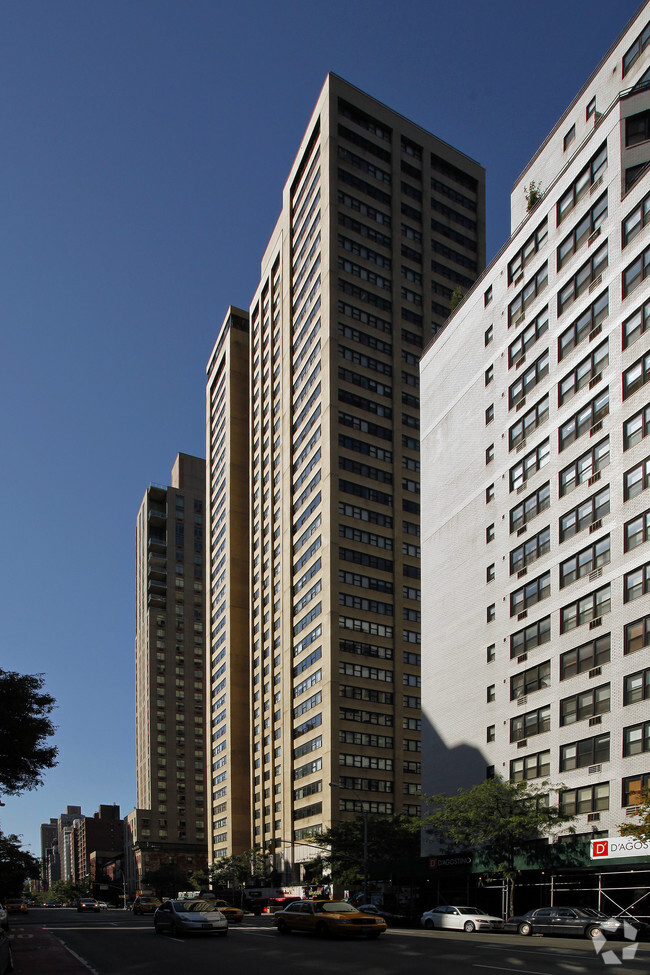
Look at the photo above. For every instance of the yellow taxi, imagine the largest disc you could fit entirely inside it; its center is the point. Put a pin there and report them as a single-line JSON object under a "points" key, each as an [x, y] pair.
{"points": [[235, 915], [326, 918], [16, 905]]}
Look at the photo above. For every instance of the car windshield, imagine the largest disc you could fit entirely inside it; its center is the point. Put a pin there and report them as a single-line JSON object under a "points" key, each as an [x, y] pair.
{"points": [[469, 910], [200, 907], [338, 907]]}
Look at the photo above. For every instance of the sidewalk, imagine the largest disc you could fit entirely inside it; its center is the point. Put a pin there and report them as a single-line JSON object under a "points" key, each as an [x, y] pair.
{"points": [[39, 952]]}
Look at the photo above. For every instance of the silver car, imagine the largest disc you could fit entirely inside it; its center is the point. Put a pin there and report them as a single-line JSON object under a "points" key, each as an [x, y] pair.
{"points": [[191, 916]]}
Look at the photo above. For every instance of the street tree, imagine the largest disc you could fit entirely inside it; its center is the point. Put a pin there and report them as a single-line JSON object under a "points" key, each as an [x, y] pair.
{"points": [[16, 866], [392, 844], [25, 728], [501, 820], [639, 830], [67, 891], [250, 866]]}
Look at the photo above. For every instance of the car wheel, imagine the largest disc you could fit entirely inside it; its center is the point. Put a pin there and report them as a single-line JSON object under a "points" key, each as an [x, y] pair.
{"points": [[157, 929], [524, 928], [282, 928], [322, 931], [429, 925], [469, 926], [593, 932]]}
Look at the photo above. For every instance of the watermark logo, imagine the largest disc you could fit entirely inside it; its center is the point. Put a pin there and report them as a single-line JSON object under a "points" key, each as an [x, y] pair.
{"points": [[610, 957]]}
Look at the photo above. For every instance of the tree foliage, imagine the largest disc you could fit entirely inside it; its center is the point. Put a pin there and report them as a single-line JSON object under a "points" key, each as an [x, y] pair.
{"points": [[533, 194], [251, 866], [25, 726], [393, 841], [16, 866], [67, 891], [639, 830], [502, 820]]}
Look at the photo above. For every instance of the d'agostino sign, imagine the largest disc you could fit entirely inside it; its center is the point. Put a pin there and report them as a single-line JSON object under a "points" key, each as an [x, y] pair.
{"points": [[618, 847]]}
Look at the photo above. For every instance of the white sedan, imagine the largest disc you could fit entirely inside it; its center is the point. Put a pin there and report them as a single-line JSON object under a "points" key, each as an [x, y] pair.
{"points": [[461, 919]]}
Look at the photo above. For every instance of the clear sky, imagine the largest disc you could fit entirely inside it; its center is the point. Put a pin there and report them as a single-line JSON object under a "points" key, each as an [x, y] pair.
{"points": [[145, 144]]}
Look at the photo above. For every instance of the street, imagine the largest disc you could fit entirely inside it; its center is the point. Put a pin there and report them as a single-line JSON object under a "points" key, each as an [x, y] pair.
{"points": [[117, 943]]}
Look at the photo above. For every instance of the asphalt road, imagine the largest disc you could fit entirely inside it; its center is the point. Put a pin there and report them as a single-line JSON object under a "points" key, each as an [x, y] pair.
{"points": [[116, 943]]}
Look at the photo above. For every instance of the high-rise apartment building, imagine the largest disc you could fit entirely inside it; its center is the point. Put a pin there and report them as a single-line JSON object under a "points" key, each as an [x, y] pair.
{"points": [[536, 475], [168, 824], [381, 223], [228, 604]]}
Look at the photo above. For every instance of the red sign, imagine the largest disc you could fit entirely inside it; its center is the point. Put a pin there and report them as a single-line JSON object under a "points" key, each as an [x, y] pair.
{"points": [[600, 848]]}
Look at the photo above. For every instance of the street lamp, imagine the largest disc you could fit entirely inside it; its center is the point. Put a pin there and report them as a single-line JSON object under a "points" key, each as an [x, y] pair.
{"points": [[364, 813]]}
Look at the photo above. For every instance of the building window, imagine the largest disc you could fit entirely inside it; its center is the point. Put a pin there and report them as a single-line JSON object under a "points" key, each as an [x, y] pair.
{"points": [[636, 376], [489, 414], [585, 562], [636, 428], [637, 479], [528, 681], [489, 454], [489, 334], [530, 767], [635, 221], [586, 324], [487, 297], [593, 509], [586, 467], [489, 375], [633, 789], [636, 325], [519, 347], [636, 739], [591, 108], [637, 531], [530, 637], [569, 137], [491, 693], [530, 507], [591, 367], [530, 421], [588, 609], [637, 129], [586, 657], [636, 583], [491, 653], [531, 290], [491, 613], [491, 733], [587, 751], [529, 724], [531, 463], [490, 573], [586, 799], [527, 252], [530, 550], [582, 279], [587, 177], [528, 380], [489, 493], [579, 707], [530, 594], [637, 635], [633, 53], [489, 534], [583, 231], [636, 272]]}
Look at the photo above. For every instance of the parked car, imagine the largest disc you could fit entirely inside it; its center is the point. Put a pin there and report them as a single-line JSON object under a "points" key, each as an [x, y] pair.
{"points": [[16, 905], [6, 960], [324, 918], [582, 921], [88, 904], [460, 919], [235, 915], [103, 906], [146, 905], [191, 916], [392, 919]]}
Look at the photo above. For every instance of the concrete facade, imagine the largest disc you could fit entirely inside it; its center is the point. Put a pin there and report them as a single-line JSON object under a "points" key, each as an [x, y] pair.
{"points": [[536, 468]]}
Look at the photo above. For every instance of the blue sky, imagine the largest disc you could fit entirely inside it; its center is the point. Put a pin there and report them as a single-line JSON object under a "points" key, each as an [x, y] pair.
{"points": [[144, 149]]}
